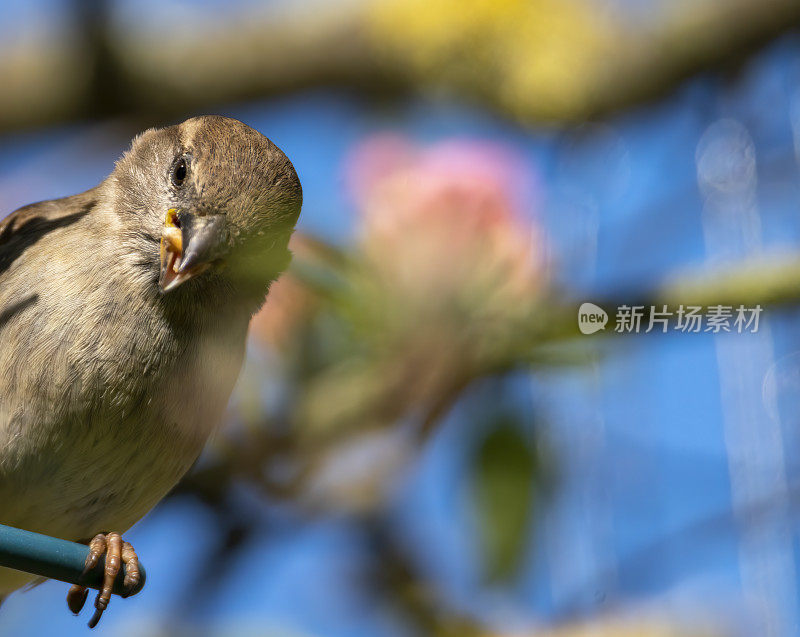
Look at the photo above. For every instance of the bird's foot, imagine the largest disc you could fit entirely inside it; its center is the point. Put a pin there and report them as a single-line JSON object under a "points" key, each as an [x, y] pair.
{"points": [[117, 552]]}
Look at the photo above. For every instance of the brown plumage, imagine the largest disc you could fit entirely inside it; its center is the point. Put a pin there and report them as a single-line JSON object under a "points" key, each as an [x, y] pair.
{"points": [[123, 317]]}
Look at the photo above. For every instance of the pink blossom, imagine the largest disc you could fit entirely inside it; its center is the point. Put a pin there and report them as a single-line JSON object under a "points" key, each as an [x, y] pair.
{"points": [[448, 219]]}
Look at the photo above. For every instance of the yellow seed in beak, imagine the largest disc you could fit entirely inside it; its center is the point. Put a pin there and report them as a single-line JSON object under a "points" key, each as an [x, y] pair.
{"points": [[171, 233], [172, 217], [173, 237]]}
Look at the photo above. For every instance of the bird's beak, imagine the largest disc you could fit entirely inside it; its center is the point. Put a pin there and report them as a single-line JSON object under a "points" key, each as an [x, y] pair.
{"points": [[189, 245]]}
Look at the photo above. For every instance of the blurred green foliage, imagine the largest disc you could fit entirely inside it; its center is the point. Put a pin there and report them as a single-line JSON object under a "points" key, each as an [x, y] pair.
{"points": [[505, 487]]}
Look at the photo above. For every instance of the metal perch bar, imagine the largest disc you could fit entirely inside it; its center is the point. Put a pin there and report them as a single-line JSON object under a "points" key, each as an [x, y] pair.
{"points": [[56, 559]]}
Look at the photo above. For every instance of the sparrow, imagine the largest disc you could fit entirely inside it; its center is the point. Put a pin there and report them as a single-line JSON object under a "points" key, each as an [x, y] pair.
{"points": [[124, 313]]}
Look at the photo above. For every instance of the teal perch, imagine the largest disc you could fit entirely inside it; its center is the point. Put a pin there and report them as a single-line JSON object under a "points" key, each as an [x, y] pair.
{"points": [[56, 559]]}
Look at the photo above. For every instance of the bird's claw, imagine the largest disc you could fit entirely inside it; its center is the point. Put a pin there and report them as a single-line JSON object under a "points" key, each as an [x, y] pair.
{"points": [[117, 552], [76, 597]]}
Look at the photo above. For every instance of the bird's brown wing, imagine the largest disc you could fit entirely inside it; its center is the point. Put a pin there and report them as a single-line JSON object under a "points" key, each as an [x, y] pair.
{"points": [[25, 226]]}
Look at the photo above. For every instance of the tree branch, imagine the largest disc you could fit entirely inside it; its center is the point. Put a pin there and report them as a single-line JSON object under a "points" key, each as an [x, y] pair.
{"points": [[158, 77]]}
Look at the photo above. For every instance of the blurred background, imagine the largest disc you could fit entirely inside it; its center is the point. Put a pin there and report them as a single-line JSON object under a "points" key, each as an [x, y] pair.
{"points": [[421, 442]]}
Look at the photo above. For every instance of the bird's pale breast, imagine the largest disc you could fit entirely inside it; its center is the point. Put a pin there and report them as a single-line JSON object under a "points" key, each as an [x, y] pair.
{"points": [[105, 402]]}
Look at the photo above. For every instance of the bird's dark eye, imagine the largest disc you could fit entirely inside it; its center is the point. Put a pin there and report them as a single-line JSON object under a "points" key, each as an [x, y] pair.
{"points": [[178, 172]]}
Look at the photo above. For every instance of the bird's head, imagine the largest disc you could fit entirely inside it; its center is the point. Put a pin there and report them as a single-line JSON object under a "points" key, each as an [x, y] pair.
{"points": [[214, 202]]}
